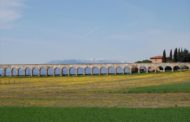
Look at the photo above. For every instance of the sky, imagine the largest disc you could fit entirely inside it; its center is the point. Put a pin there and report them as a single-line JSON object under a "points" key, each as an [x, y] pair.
{"points": [[39, 31]]}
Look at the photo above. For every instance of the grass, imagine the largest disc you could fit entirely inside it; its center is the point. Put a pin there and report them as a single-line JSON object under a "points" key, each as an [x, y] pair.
{"points": [[39, 114], [168, 88], [95, 91]]}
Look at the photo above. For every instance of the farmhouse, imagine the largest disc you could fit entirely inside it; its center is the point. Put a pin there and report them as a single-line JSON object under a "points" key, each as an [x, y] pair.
{"points": [[156, 59]]}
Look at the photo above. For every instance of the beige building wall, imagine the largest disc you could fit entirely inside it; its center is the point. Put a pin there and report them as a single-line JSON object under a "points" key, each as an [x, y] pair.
{"points": [[156, 60]]}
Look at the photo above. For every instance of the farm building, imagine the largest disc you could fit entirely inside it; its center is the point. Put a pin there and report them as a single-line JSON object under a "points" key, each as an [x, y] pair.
{"points": [[156, 59]]}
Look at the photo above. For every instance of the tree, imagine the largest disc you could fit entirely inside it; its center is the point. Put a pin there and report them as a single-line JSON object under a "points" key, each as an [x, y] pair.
{"points": [[186, 54], [171, 56], [175, 55], [164, 57], [179, 55], [144, 61], [182, 55]]}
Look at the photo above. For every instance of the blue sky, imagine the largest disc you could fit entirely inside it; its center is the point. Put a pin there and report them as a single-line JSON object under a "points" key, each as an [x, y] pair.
{"points": [[39, 31]]}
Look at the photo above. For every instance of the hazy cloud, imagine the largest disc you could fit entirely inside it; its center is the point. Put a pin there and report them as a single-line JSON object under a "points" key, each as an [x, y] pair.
{"points": [[10, 11]]}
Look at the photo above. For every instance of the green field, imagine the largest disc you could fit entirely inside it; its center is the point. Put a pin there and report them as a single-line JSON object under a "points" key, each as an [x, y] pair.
{"points": [[148, 97], [168, 88], [36, 114]]}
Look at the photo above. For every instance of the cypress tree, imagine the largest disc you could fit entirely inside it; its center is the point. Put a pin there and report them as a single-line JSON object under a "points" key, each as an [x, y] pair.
{"points": [[171, 56], [182, 55], [186, 54], [164, 56], [178, 55], [188, 57], [175, 55]]}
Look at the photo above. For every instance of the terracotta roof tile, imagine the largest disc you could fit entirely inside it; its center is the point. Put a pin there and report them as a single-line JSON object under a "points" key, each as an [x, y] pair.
{"points": [[157, 57]]}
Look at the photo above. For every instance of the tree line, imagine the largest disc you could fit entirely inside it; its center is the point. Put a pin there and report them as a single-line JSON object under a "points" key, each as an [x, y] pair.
{"points": [[178, 55]]}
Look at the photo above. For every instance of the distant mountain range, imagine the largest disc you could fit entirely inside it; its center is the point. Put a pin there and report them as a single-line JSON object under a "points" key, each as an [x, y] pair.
{"points": [[79, 61]]}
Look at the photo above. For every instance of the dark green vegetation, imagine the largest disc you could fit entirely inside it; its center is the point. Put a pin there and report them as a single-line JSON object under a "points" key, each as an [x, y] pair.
{"points": [[39, 114], [168, 88], [164, 56], [144, 61], [179, 55]]}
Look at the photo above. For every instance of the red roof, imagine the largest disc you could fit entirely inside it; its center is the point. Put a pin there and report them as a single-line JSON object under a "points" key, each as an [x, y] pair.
{"points": [[157, 57]]}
